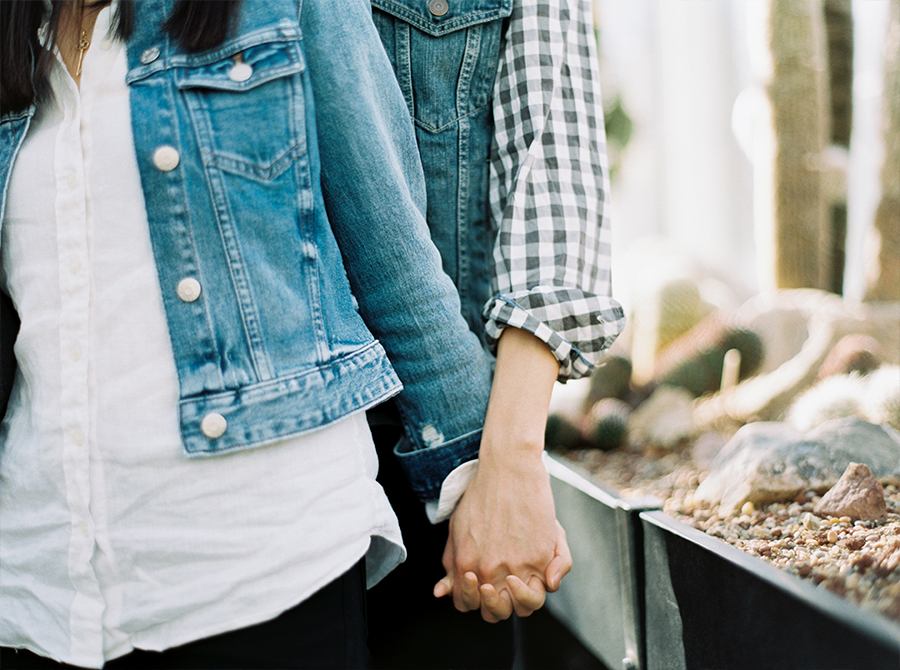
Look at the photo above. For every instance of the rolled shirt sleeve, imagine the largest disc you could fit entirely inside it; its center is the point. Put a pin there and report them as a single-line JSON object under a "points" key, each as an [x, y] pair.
{"points": [[549, 188]]}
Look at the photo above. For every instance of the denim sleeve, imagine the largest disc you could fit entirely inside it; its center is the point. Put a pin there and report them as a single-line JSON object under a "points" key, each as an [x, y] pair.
{"points": [[375, 195]]}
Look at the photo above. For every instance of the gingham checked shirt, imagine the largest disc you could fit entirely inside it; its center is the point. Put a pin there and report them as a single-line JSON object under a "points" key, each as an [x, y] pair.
{"points": [[549, 187]]}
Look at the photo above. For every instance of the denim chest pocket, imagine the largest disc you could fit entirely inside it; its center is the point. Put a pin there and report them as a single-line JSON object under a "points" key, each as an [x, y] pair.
{"points": [[444, 53], [242, 90]]}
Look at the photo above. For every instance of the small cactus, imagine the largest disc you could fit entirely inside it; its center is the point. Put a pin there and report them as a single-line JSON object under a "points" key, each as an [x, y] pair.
{"points": [[836, 397], [561, 435], [611, 379], [607, 424], [882, 396]]}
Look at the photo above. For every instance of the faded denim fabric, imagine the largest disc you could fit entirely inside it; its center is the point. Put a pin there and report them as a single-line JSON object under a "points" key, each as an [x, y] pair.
{"points": [[445, 57], [229, 150]]}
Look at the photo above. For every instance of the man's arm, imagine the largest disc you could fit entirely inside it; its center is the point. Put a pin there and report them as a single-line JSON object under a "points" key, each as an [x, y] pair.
{"points": [[551, 315]]}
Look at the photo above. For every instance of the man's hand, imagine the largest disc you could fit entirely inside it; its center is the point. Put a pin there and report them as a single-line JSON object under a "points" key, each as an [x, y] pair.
{"points": [[505, 547]]}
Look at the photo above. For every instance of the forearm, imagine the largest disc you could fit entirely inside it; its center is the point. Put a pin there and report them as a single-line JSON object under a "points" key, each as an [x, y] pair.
{"points": [[513, 434]]}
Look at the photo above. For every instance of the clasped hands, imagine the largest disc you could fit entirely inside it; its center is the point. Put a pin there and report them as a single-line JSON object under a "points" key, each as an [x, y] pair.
{"points": [[505, 549]]}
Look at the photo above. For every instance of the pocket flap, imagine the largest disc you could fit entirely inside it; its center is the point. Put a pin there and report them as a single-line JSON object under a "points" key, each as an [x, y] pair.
{"points": [[437, 17], [242, 67]]}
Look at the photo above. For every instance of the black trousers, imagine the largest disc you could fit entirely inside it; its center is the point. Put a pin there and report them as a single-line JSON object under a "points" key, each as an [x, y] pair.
{"points": [[328, 630], [408, 627]]}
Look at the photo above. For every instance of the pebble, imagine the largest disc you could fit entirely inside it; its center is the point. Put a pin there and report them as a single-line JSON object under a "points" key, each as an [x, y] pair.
{"points": [[810, 522], [748, 508], [832, 536]]}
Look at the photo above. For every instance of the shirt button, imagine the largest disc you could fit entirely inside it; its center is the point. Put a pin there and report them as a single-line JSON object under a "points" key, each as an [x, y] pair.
{"points": [[74, 266], [106, 44], [240, 71], [72, 181], [188, 289], [166, 158], [77, 437], [438, 7], [75, 352], [149, 55], [213, 425]]}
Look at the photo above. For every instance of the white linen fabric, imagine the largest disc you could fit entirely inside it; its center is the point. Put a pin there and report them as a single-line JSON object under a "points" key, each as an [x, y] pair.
{"points": [[111, 538]]}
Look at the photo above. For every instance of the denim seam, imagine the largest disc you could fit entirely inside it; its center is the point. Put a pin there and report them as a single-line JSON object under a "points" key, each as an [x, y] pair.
{"points": [[437, 129]]}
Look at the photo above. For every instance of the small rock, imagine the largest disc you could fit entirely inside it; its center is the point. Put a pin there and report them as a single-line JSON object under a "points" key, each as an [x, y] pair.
{"points": [[810, 522], [832, 536], [748, 508], [857, 494]]}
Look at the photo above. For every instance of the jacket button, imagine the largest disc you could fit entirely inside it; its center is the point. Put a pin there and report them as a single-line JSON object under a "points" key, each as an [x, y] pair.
{"points": [[188, 289], [165, 158], [213, 425], [240, 72], [438, 7], [149, 55]]}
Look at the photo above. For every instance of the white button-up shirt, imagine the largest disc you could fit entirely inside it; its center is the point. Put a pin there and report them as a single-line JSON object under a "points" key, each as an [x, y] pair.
{"points": [[110, 538]]}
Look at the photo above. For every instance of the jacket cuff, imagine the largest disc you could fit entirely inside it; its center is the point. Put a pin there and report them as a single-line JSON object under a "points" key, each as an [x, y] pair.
{"points": [[426, 469]]}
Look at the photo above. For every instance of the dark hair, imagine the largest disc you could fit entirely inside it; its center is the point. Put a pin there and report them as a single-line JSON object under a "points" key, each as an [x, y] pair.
{"points": [[195, 25]]}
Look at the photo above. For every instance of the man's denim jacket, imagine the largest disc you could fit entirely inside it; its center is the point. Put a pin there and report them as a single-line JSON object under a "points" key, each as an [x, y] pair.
{"points": [[265, 199], [446, 56]]}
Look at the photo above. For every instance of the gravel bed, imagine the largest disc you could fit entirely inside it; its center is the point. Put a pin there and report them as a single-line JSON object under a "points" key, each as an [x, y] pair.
{"points": [[859, 561]]}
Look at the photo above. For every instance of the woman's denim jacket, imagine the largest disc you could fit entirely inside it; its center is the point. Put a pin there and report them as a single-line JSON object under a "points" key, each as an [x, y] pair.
{"points": [[258, 195], [446, 55]]}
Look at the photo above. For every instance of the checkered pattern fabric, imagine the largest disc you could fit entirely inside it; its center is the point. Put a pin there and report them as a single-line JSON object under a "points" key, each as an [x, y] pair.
{"points": [[549, 187]]}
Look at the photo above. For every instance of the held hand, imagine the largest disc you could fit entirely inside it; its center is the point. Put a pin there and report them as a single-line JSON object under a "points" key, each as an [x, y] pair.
{"points": [[505, 548]]}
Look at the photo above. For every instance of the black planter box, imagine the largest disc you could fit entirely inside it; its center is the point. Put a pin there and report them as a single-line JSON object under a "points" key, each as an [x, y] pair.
{"points": [[709, 605], [601, 600]]}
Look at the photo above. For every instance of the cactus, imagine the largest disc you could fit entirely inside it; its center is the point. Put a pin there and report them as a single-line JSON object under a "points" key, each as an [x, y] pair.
{"points": [[607, 424], [833, 398], [881, 403], [561, 435], [853, 353], [611, 379], [701, 372]]}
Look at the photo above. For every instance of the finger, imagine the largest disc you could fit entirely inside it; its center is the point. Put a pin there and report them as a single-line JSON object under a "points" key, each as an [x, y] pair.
{"points": [[444, 587], [495, 606], [528, 597], [561, 563], [470, 596]]}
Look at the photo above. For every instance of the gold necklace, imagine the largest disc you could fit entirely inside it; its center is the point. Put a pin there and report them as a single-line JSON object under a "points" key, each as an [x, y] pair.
{"points": [[83, 45], [84, 42]]}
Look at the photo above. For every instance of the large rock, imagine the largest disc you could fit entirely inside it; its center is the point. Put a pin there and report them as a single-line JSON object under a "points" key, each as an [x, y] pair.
{"points": [[772, 462]]}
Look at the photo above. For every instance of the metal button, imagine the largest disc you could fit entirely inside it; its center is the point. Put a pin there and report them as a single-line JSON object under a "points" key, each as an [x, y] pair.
{"points": [[149, 55], [213, 425], [438, 7], [188, 289], [165, 158], [240, 71]]}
